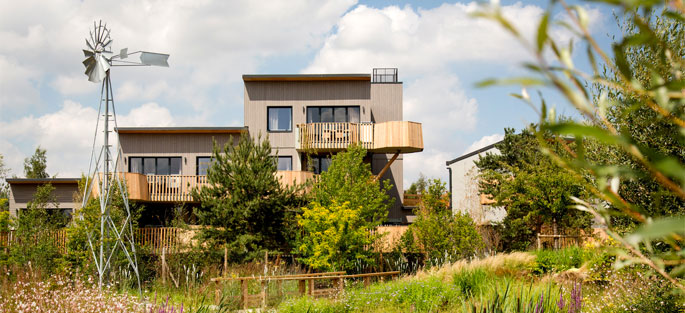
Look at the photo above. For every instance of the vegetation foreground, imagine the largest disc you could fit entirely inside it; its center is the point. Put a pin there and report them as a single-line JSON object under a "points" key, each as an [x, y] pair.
{"points": [[572, 280]]}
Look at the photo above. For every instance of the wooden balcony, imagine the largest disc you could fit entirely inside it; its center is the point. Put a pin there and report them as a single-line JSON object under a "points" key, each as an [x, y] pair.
{"points": [[386, 137], [178, 188]]}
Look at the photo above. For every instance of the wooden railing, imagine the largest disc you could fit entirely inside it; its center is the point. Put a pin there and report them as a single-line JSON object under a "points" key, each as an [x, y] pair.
{"points": [[158, 239], [385, 137], [174, 188], [334, 136], [59, 238]]}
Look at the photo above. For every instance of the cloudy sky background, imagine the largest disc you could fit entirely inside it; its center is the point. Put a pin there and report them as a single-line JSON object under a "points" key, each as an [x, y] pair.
{"points": [[441, 52]]}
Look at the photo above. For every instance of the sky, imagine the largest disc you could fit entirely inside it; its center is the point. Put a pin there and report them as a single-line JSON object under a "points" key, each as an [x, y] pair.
{"points": [[441, 52]]}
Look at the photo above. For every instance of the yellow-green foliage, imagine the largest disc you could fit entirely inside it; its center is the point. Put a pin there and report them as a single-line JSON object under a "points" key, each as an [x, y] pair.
{"points": [[336, 236]]}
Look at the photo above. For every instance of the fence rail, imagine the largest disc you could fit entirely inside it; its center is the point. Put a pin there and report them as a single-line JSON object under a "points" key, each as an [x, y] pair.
{"points": [[173, 188], [334, 136]]}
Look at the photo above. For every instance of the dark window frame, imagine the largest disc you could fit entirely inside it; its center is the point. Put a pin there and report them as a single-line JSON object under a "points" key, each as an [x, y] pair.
{"points": [[347, 112], [284, 156], [268, 129], [180, 168], [317, 169], [197, 164]]}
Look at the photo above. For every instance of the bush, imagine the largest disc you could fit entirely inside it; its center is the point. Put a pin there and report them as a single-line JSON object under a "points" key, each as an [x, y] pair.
{"points": [[548, 261], [471, 281]]}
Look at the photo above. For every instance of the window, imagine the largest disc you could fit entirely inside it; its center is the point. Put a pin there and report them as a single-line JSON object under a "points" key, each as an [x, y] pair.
{"points": [[285, 163], [279, 119], [320, 164], [155, 165], [333, 114], [203, 164]]}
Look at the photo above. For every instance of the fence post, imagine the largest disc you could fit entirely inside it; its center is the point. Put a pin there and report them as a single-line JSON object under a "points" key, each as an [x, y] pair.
{"points": [[163, 266], [265, 285], [301, 286], [539, 241], [243, 293], [225, 260]]}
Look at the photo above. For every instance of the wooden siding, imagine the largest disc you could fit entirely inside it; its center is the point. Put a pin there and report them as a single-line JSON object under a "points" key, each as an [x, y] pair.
{"points": [[21, 194], [290, 178], [186, 146]]}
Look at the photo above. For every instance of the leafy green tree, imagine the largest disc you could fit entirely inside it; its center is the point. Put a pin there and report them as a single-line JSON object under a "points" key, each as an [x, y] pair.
{"points": [[627, 113], [243, 201], [35, 229], [532, 188], [419, 186], [347, 203], [645, 76], [441, 235], [4, 188], [35, 166]]}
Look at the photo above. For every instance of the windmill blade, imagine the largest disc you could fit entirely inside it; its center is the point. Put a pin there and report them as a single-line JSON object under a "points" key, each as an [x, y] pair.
{"points": [[87, 53], [89, 45]]}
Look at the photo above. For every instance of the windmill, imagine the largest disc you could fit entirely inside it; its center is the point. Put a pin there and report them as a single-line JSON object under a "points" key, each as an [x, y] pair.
{"points": [[102, 174]]}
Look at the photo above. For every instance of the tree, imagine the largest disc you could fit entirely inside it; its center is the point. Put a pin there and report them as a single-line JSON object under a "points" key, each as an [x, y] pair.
{"points": [[646, 127], [243, 202], [35, 166], [646, 76], [4, 188], [533, 190], [419, 186], [347, 203], [441, 235], [35, 229]]}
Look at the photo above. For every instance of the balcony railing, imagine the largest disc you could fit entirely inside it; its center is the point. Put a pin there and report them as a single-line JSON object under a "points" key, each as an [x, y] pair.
{"points": [[386, 137], [334, 136], [178, 188]]}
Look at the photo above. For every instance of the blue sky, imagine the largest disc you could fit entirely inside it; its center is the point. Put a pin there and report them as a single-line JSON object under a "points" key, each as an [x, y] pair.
{"points": [[440, 51]]}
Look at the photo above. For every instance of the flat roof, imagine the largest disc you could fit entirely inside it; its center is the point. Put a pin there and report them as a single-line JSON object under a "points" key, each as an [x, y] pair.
{"points": [[472, 153], [42, 180], [305, 77], [181, 130]]}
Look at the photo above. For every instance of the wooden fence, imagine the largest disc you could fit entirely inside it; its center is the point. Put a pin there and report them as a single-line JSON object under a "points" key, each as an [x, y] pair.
{"points": [[154, 239], [559, 241], [174, 188]]}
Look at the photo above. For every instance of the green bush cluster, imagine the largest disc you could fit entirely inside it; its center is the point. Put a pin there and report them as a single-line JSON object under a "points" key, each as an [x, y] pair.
{"points": [[471, 281], [548, 261]]}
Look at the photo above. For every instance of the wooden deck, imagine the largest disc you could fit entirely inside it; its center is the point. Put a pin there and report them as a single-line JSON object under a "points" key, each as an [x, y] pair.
{"points": [[386, 137]]}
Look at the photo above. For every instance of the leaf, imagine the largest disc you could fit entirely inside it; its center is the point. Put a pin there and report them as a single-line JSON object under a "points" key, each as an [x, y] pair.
{"points": [[588, 131], [542, 31], [622, 62], [523, 81], [657, 229]]}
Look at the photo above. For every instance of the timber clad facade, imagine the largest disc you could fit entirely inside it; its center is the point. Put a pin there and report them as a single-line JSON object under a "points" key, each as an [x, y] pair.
{"points": [[23, 189], [307, 119], [311, 117]]}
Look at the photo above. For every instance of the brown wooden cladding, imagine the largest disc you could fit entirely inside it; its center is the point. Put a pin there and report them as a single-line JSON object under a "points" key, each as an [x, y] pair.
{"points": [[402, 136], [290, 178]]}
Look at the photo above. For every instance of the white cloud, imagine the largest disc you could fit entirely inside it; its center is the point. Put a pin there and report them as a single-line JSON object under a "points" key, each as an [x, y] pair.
{"points": [[73, 85], [67, 135], [483, 142]]}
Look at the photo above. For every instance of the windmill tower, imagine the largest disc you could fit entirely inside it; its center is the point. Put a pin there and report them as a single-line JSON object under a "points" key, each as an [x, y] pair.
{"points": [[111, 235]]}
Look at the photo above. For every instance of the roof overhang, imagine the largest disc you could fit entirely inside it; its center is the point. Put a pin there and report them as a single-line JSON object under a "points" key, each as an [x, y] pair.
{"points": [[34, 181], [181, 130], [306, 77]]}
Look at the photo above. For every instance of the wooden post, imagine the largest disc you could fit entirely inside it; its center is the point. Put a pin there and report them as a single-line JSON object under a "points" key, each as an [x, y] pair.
{"points": [[387, 166], [311, 287], [539, 241], [225, 260], [381, 254], [279, 286], [265, 284], [367, 281], [243, 293], [301, 286], [163, 267], [341, 285]]}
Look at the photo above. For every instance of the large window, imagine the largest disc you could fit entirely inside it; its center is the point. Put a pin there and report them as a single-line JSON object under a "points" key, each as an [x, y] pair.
{"points": [[203, 164], [320, 164], [279, 119], [155, 165], [285, 163], [333, 114]]}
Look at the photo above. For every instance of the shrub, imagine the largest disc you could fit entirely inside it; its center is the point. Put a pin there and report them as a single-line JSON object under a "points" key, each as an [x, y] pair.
{"points": [[471, 281], [558, 260]]}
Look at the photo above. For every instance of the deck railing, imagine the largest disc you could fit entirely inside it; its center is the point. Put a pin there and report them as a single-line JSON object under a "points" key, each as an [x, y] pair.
{"points": [[174, 188], [334, 136]]}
